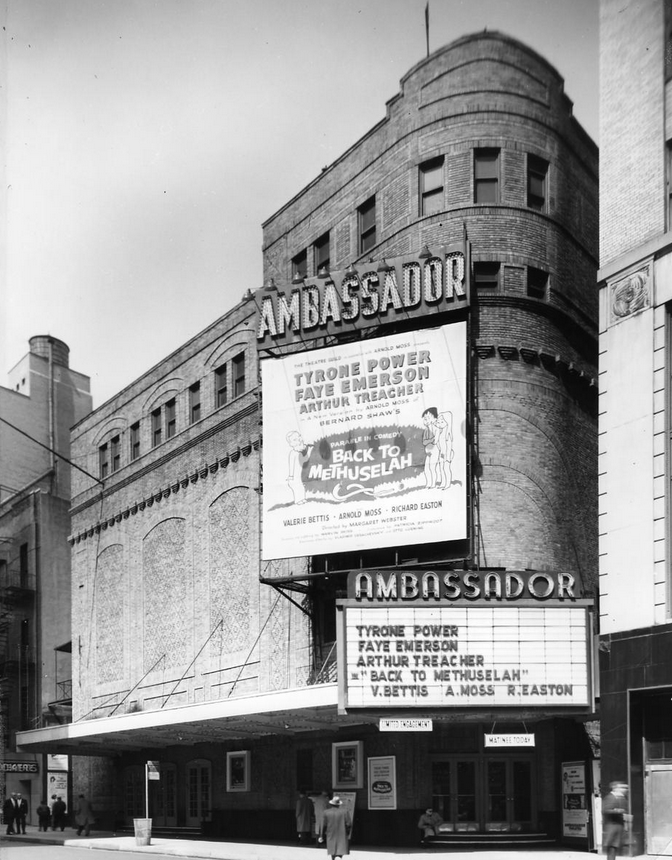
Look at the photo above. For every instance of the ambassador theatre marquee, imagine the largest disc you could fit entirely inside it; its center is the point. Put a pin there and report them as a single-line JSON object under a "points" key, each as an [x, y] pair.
{"points": [[427, 640]]}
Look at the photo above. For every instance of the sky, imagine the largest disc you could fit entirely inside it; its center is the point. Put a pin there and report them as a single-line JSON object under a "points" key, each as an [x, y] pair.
{"points": [[146, 141]]}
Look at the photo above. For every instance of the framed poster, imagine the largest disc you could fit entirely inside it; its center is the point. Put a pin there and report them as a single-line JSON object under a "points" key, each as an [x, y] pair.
{"points": [[382, 782], [574, 799], [347, 765], [238, 771]]}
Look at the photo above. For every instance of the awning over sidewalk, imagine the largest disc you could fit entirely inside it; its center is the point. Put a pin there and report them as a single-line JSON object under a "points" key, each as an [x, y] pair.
{"points": [[283, 713]]}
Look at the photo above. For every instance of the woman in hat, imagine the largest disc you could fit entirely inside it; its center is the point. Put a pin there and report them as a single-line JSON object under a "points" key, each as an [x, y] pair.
{"points": [[336, 828]]}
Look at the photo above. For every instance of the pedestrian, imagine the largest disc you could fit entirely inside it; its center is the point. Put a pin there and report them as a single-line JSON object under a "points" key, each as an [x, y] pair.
{"points": [[43, 816], [22, 814], [614, 811], [8, 813], [58, 814], [336, 828], [320, 803], [83, 816], [303, 812], [429, 823]]}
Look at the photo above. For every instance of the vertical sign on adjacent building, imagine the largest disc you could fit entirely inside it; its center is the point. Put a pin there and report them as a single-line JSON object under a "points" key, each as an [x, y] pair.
{"points": [[364, 444]]}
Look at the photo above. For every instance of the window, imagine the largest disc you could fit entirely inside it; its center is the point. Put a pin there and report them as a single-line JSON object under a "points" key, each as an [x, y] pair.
{"points": [[156, 427], [135, 441], [486, 176], [486, 276], [321, 253], [367, 225], [537, 171], [431, 186], [171, 423], [537, 282], [103, 460], [238, 367], [668, 179], [194, 402], [115, 453], [300, 265], [221, 386]]}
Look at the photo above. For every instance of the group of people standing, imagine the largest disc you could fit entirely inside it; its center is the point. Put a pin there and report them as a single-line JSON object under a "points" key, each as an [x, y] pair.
{"points": [[333, 822], [15, 812], [54, 814]]}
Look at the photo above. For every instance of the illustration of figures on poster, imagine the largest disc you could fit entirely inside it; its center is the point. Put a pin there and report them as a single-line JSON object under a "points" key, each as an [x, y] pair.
{"points": [[374, 442]]}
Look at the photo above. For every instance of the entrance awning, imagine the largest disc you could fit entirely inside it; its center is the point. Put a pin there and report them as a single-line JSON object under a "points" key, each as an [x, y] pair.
{"points": [[287, 712]]}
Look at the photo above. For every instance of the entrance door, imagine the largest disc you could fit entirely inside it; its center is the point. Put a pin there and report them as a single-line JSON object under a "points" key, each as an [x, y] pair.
{"points": [[658, 801], [509, 802], [198, 786], [485, 794], [163, 799], [455, 792]]}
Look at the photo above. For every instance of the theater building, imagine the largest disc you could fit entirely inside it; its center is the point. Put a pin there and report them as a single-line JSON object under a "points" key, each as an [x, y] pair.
{"points": [[349, 534], [635, 285]]}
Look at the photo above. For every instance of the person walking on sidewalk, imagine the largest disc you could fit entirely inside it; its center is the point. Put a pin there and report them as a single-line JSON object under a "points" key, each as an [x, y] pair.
{"points": [[336, 828], [83, 816], [614, 812]]}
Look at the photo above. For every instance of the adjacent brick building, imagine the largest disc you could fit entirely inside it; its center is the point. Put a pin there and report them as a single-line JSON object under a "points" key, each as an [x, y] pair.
{"points": [[42, 401], [635, 293], [226, 668]]}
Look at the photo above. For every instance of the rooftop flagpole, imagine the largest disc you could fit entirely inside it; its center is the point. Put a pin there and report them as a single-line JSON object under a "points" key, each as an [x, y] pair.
{"points": [[427, 25]]}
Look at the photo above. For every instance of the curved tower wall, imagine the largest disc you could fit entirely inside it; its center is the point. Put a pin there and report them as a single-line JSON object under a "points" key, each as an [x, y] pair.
{"points": [[534, 356]]}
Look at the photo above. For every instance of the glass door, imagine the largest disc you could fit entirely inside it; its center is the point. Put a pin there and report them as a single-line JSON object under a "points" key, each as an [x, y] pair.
{"points": [[198, 787], [163, 796], [509, 795], [455, 794]]}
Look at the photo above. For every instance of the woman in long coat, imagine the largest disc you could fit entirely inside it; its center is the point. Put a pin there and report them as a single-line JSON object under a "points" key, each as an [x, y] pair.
{"points": [[336, 828], [83, 816]]}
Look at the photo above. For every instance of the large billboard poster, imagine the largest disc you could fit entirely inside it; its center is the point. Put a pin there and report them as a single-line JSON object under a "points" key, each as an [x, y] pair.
{"points": [[365, 444]]}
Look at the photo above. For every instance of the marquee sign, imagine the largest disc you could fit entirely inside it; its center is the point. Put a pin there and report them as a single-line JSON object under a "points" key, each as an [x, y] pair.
{"points": [[507, 656], [367, 295], [365, 444]]}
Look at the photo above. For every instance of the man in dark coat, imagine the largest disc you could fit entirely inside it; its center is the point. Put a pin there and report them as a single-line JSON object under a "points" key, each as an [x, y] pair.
{"points": [[614, 810], [58, 814], [336, 828], [9, 811]]}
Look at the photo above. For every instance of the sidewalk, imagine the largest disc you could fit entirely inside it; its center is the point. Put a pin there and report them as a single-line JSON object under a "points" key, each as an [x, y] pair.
{"points": [[265, 851]]}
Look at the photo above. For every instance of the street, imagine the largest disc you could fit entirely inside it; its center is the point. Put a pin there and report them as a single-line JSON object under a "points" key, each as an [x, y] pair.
{"points": [[10, 850]]}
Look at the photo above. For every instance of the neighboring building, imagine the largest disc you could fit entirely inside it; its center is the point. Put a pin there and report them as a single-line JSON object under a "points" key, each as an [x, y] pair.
{"points": [[635, 328], [44, 399], [457, 240]]}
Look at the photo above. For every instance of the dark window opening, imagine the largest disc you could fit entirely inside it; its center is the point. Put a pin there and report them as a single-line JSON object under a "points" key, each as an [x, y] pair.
{"points": [[486, 176], [103, 460], [367, 225], [115, 453], [537, 283], [221, 386], [537, 172], [194, 402], [486, 275], [238, 369], [171, 419], [431, 186], [321, 253], [300, 264], [156, 427], [135, 441]]}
